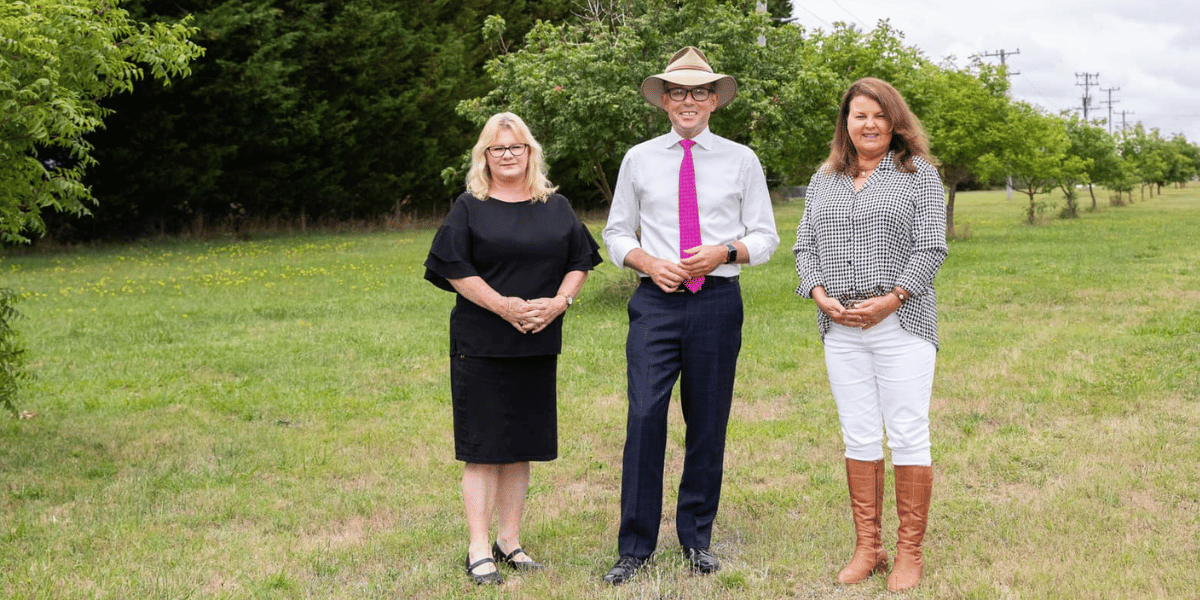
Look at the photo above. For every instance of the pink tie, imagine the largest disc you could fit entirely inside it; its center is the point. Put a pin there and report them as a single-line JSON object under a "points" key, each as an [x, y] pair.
{"points": [[689, 213]]}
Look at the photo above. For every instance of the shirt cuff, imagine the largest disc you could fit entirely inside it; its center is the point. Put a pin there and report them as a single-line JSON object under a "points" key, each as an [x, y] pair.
{"points": [[618, 249]]}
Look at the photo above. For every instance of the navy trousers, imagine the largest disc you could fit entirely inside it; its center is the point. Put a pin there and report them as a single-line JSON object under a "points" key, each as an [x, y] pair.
{"points": [[693, 338]]}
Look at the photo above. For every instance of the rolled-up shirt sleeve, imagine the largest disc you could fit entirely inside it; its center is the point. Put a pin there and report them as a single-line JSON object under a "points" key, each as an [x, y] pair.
{"points": [[928, 234], [762, 238], [808, 267], [620, 234]]}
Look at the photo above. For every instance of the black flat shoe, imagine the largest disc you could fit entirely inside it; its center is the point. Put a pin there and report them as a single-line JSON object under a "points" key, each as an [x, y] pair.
{"points": [[701, 560], [524, 565], [624, 570], [492, 578]]}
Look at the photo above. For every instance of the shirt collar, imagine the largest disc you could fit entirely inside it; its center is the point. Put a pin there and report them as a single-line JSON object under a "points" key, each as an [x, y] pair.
{"points": [[704, 139], [889, 159]]}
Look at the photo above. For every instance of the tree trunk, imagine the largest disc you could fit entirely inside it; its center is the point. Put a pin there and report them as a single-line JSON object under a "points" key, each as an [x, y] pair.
{"points": [[951, 177], [950, 190], [1093, 193], [601, 180]]}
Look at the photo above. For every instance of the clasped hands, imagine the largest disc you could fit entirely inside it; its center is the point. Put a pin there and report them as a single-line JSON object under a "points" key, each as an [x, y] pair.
{"points": [[668, 276], [863, 315], [532, 316]]}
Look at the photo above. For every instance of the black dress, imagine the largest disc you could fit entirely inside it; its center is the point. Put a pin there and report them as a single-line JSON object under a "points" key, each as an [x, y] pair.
{"points": [[503, 381]]}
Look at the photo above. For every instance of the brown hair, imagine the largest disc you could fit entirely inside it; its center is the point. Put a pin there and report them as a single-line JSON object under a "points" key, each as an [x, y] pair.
{"points": [[908, 137]]}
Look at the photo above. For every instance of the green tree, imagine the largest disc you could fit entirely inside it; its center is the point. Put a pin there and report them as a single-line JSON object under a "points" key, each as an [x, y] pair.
{"points": [[1034, 153], [577, 85], [59, 59], [881, 53], [304, 110], [1184, 160], [1098, 150], [1075, 168], [1146, 156], [965, 123]]}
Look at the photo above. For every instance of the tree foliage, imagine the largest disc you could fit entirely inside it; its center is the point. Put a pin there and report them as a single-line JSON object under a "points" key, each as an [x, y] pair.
{"points": [[355, 109], [303, 110], [1098, 151], [965, 125], [577, 84], [1035, 156], [59, 59], [12, 352]]}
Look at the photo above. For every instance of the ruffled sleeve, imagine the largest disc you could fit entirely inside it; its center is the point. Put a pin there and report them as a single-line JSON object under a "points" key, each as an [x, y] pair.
{"points": [[585, 252], [450, 253]]}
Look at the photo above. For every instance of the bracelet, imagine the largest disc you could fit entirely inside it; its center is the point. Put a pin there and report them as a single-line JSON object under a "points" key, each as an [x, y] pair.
{"points": [[902, 296]]}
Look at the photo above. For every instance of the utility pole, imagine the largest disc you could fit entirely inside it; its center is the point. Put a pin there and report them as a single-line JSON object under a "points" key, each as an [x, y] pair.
{"points": [[1003, 54], [1123, 113], [1110, 103], [761, 6], [1089, 79]]}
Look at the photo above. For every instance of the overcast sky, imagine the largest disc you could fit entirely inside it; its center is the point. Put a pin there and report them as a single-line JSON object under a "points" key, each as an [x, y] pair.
{"points": [[1148, 48]]}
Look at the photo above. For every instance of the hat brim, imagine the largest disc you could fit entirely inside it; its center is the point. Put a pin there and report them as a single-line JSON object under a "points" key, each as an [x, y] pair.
{"points": [[652, 87]]}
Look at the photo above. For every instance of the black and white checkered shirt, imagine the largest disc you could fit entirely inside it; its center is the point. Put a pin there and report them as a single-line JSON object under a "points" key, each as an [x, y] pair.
{"points": [[862, 244]]}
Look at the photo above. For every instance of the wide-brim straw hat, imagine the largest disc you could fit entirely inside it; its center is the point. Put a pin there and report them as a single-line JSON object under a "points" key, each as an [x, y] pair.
{"points": [[688, 67]]}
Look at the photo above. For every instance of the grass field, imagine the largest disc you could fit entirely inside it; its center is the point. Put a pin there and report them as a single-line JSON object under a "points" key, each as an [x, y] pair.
{"points": [[270, 419]]}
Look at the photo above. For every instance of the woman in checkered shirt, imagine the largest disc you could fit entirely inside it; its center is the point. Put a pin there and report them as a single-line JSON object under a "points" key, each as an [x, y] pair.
{"points": [[868, 247]]}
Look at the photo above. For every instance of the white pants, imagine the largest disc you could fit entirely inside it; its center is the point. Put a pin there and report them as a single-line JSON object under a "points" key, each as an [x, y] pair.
{"points": [[882, 377]]}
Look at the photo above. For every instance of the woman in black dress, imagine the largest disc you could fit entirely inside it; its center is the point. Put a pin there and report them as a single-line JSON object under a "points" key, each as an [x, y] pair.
{"points": [[517, 256]]}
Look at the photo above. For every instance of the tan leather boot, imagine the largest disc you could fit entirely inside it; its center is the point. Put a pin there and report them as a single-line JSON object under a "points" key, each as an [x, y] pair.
{"points": [[866, 504], [914, 484]]}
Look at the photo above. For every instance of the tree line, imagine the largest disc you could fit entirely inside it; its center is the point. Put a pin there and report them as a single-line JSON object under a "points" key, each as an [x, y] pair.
{"points": [[302, 111]]}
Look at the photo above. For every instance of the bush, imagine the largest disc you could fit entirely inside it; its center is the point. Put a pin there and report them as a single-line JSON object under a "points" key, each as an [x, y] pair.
{"points": [[12, 352]]}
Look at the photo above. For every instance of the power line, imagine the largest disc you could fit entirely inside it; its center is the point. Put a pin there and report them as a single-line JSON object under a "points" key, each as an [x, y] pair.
{"points": [[814, 16], [864, 25]]}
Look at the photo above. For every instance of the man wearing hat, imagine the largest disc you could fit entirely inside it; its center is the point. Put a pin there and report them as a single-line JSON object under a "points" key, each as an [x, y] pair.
{"points": [[701, 207]]}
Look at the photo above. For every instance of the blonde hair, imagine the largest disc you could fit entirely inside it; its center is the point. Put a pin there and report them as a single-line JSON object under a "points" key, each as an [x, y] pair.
{"points": [[479, 177], [908, 137]]}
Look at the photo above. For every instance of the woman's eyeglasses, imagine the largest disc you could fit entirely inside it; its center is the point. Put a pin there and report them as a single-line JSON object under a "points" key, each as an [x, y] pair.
{"points": [[515, 149]]}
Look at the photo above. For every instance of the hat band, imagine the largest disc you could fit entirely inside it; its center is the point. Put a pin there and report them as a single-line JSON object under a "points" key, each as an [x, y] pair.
{"points": [[690, 68]]}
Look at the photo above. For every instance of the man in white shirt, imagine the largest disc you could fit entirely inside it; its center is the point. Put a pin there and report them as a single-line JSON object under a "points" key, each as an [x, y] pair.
{"points": [[701, 206]]}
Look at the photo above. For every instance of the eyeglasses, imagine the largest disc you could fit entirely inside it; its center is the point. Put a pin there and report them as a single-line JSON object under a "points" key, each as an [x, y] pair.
{"points": [[498, 151], [699, 94]]}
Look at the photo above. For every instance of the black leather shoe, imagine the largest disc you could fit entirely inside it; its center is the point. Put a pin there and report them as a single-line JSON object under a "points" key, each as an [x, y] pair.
{"points": [[624, 570], [525, 565], [492, 578], [701, 560]]}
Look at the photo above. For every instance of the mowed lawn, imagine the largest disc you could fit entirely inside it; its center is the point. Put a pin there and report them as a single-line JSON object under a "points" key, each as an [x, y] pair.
{"points": [[269, 418]]}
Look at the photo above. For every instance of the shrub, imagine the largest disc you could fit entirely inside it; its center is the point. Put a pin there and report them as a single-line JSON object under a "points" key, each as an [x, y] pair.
{"points": [[12, 352]]}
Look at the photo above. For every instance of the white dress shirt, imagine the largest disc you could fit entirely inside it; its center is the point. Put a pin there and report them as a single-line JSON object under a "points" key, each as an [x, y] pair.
{"points": [[731, 193]]}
